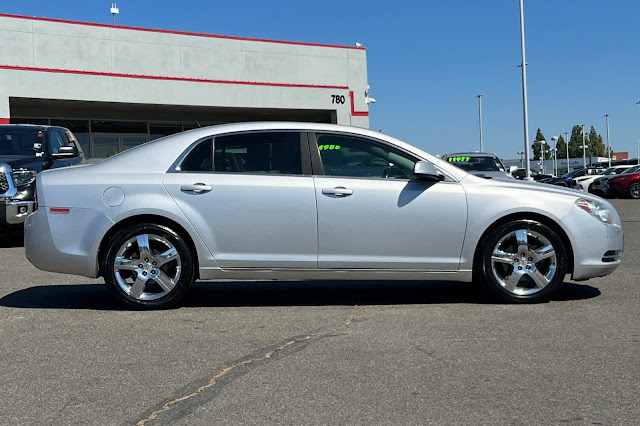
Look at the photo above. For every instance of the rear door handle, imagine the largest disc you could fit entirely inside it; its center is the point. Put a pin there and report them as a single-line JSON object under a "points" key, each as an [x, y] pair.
{"points": [[339, 191], [196, 188]]}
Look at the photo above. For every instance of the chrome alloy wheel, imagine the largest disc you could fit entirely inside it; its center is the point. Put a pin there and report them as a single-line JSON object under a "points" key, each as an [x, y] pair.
{"points": [[523, 262], [147, 267]]}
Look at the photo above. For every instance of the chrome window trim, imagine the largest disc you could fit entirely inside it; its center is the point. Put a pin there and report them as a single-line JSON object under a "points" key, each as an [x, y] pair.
{"points": [[175, 167]]}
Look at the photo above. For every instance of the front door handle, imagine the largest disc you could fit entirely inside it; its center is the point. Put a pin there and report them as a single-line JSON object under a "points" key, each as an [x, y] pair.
{"points": [[338, 191], [196, 188]]}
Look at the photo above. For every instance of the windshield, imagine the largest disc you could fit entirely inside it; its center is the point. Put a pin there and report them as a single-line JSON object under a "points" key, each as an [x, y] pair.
{"points": [[572, 174], [479, 164], [631, 170], [20, 142]]}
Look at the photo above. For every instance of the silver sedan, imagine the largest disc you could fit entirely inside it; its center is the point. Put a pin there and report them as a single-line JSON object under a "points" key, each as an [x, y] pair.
{"points": [[309, 201]]}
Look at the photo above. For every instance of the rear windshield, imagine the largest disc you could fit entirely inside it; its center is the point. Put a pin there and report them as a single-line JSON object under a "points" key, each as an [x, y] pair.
{"points": [[480, 164], [24, 142]]}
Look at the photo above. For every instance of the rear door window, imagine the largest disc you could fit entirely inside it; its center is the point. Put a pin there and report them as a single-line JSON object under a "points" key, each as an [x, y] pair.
{"points": [[258, 153], [200, 159]]}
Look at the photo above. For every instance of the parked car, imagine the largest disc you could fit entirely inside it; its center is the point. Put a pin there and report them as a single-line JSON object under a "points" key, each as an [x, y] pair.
{"points": [[568, 179], [584, 182], [25, 151], [624, 184], [600, 187], [309, 201], [481, 164], [520, 173]]}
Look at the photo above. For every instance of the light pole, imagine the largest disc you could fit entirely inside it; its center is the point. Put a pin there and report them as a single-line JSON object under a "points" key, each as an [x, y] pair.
{"points": [[542, 152], [608, 144], [554, 139], [566, 142], [521, 153], [479, 96], [114, 11], [584, 150], [525, 114]]}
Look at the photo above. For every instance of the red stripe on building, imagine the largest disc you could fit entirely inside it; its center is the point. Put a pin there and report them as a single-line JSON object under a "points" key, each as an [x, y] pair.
{"points": [[155, 30], [355, 113], [160, 77]]}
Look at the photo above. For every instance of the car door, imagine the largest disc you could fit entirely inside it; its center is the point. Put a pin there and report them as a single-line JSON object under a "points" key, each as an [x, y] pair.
{"points": [[373, 212], [251, 198]]}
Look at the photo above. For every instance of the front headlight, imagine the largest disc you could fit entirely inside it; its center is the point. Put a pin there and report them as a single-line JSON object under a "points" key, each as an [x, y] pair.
{"points": [[595, 209], [23, 177]]}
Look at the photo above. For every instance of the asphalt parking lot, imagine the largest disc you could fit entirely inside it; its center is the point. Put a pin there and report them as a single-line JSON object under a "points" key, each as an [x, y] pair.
{"points": [[321, 352]]}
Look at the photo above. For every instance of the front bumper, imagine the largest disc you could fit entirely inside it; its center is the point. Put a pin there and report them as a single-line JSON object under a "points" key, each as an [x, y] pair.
{"points": [[597, 247], [14, 212]]}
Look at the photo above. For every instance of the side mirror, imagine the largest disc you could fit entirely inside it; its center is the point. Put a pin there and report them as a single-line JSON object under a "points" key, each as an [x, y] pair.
{"points": [[427, 171], [513, 169], [67, 151]]}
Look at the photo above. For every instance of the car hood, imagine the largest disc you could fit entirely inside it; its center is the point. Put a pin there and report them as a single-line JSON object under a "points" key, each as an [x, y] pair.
{"points": [[21, 161], [623, 176], [492, 175], [500, 184]]}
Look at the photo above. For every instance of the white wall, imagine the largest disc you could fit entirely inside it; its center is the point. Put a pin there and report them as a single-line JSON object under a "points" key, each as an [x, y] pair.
{"points": [[33, 43]]}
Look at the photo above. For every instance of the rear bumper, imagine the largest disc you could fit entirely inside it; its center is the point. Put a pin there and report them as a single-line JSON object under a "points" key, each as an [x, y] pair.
{"points": [[52, 240]]}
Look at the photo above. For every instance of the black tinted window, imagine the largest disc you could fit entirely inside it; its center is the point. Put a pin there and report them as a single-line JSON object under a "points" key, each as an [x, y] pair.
{"points": [[56, 140], [20, 141], [273, 153], [356, 157], [484, 164], [200, 158]]}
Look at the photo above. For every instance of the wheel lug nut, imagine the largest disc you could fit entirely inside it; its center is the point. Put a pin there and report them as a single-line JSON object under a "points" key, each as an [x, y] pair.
{"points": [[153, 272], [519, 268], [140, 265], [530, 259], [528, 267], [146, 259], [144, 273], [154, 263]]}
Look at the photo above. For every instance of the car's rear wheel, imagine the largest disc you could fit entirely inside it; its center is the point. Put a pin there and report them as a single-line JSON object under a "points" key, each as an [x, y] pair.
{"points": [[523, 261], [634, 190], [148, 266]]}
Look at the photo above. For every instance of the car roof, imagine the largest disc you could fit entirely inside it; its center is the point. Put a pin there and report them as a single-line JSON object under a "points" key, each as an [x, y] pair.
{"points": [[471, 154], [169, 147], [31, 126]]}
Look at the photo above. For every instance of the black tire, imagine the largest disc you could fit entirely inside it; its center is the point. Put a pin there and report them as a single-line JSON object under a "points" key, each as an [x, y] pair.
{"points": [[155, 291], [535, 280], [634, 190]]}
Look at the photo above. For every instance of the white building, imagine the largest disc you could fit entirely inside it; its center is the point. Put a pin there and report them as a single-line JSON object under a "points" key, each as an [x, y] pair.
{"points": [[116, 86]]}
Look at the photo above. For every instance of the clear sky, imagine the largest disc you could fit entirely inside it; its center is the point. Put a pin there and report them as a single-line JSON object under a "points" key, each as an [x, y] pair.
{"points": [[427, 60]]}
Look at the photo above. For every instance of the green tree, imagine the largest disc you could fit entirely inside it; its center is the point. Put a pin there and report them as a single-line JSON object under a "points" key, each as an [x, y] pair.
{"points": [[561, 147], [537, 146], [595, 144], [575, 143]]}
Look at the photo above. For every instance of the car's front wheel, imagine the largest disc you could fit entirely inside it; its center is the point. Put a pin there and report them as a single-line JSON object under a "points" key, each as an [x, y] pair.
{"points": [[634, 190], [148, 266], [523, 261]]}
